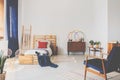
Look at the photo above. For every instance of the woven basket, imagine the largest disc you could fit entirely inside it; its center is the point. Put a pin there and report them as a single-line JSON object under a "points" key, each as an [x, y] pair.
{"points": [[2, 76]]}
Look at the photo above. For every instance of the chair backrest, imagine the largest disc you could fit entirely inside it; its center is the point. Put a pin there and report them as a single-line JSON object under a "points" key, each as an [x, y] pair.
{"points": [[114, 57]]}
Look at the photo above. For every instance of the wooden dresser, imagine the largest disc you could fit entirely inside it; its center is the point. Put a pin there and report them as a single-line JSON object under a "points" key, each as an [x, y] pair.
{"points": [[76, 47], [111, 45]]}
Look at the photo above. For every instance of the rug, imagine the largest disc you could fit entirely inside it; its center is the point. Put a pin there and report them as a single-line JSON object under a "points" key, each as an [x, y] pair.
{"points": [[70, 68], [35, 72], [76, 75], [64, 59]]}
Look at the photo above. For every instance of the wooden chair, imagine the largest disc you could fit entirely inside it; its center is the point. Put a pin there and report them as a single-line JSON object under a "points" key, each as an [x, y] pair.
{"points": [[101, 66]]}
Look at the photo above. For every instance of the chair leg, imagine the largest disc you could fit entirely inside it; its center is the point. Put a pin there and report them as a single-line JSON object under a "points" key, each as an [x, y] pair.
{"points": [[103, 66], [86, 68], [105, 77], [85, 73]]}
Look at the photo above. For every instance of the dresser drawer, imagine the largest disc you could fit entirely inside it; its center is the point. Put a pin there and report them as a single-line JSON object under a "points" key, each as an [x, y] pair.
{"points": [[76, 46]]}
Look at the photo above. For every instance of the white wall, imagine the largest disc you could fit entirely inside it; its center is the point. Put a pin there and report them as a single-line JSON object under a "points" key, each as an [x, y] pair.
{"points": [[20, 7], [60, 17], [101, 22], [114, 20]]}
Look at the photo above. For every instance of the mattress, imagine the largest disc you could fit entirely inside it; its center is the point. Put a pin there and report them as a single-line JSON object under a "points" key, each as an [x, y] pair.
{"points": [[41, 51], [30, 57]]}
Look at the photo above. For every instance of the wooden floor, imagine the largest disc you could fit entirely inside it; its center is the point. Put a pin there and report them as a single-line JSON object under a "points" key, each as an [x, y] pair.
{"points": [[70, 68]]}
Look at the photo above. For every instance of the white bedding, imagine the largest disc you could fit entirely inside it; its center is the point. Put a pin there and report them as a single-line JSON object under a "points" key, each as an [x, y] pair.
{"points": [[41, 50]]}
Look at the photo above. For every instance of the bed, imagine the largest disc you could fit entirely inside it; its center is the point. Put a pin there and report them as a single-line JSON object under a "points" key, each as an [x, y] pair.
{"points": [[29, 56]]}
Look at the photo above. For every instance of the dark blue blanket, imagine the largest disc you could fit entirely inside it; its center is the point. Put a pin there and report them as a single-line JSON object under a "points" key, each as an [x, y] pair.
{"points": [[44, 60]]}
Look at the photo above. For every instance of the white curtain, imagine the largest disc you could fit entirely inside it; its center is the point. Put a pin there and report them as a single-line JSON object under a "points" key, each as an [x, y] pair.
{"points": [[4, 46]]}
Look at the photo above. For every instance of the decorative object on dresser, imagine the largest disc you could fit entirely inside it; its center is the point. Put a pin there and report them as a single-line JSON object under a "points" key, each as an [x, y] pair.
{"points": [[76, 42], [76, 35]]}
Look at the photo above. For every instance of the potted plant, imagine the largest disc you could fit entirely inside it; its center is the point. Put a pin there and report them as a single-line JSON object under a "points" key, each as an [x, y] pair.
{"points": [[97, 44], [91, 43], [2, 62]]}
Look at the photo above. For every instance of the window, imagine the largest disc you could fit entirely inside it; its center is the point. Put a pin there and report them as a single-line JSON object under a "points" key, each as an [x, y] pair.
{"points": [[1, 19]]}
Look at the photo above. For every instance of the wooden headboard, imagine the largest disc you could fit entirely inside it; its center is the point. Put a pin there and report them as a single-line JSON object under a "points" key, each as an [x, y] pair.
{"points": [[51, 38]]}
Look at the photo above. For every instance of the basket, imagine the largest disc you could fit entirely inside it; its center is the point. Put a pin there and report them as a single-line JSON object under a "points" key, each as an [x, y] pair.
{"points": [[2, 76]]}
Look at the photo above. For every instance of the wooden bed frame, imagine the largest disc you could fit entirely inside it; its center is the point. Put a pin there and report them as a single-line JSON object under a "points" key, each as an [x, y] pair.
{"points": [[32, 59], [51, 38]]}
